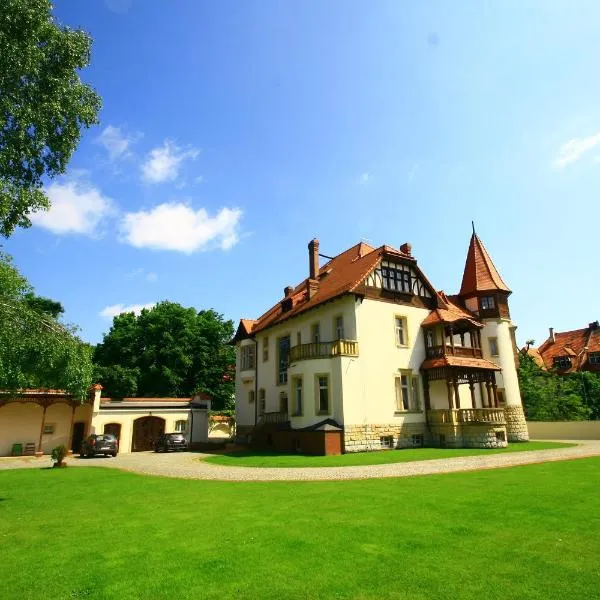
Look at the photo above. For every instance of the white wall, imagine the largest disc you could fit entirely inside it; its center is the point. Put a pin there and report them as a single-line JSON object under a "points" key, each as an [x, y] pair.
{"points": [[564, 430]]}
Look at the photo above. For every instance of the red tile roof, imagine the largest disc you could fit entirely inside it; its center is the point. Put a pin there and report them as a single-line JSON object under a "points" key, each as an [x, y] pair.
{"points": [[449, 313], [459, 361], [145, 400], [341, 275], [480, 274], [576, 344]]}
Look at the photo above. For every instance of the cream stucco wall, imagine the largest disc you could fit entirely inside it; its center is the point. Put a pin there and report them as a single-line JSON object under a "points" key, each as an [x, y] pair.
{"points": [[564, 430], [126, 419], [20, 422]]}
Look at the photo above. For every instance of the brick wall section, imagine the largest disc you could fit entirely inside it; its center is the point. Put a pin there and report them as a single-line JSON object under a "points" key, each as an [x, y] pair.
{"points": [[361, 438], [516, 426]]}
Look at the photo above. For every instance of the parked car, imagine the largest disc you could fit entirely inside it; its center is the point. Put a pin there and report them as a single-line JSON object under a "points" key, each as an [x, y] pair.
{"points": [[170, 441], [95, 444]]}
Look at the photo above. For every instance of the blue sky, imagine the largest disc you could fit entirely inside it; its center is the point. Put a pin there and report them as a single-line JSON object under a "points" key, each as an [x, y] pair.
{"points": [[234, 132]]}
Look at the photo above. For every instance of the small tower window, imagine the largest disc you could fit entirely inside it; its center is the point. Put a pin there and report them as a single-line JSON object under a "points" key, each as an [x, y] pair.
{"points": [[562, 362], [488, 303], [595, 358]]}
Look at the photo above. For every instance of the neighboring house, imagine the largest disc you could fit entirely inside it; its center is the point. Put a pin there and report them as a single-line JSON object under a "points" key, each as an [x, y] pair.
{"points": [[571, 351], [366, 354], [47, 418]]}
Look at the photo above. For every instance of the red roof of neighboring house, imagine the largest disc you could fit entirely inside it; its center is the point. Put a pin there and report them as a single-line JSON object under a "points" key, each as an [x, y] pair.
{"points": [[577, 345], [35, 392], [341, 275], [449, 313], [480, 274], [459, 361], [144, 400]]}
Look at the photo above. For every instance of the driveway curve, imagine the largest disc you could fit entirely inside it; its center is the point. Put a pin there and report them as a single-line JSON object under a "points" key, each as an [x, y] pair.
{"points": [[188, 465]]}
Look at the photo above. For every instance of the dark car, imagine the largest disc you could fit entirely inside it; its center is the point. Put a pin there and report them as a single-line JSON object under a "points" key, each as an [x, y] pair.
{"points": [[170, 441], [95, 444]]}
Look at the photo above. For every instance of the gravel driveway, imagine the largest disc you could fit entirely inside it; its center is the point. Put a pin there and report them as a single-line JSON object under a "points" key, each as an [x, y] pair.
{"points": [[187, 465]]}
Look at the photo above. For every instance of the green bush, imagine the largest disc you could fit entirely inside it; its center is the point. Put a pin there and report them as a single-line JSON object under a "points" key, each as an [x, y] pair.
{"points": [[59, 453]]}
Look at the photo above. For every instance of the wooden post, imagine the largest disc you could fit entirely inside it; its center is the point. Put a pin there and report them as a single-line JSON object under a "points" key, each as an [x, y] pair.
{"points": [[488, 385], [456, 395], [452, 338], [70, 446], [40, 451], [449, 386], [462, 338], [495, 390], [472, 388]]}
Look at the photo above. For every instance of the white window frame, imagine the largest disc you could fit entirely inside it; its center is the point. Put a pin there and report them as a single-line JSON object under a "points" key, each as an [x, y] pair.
{"points": [[315, 333], [178, 428], [594, 358], [493, 344], [338, 327], [247, 357], [407, 395], [319, 387], [401, 331]]}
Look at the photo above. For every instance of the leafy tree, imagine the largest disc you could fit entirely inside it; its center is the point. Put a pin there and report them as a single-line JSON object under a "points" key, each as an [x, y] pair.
{"points": [[548, 396], [44, 306], [36, 350], [44, 105], [168, 350]]}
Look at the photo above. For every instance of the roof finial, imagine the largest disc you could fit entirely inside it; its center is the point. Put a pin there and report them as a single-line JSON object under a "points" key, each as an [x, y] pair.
{"points": [[473, 225]]}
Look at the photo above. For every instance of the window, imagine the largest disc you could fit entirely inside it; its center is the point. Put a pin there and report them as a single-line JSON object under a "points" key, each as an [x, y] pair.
{"points": [[418, 440], [407, 392], [248, 357], [430, 338], [396, 279], [251, 396], [501, 401], [386, 441], [262, 400], [284, 354], [298, 338], [488, 303], [339, 327], [493, 346], [265, 349], [562, 362], [297, 396], [315, 333], [181, 426], [322, 394], [401, 331], [594, 358]]}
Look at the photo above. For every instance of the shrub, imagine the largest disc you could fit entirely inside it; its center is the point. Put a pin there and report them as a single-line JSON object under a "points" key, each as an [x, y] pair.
{"points": [[58, 454]]}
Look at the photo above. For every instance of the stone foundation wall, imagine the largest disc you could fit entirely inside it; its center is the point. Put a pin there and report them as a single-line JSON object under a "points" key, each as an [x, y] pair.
{"points": [[242, 433], [516, 426], [469, 436], [361, 438]]}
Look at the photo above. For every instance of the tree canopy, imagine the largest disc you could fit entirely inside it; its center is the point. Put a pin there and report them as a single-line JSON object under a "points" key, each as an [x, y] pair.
{"points": [[37, 350], [549, 396], [167, 350], [44, 105]]}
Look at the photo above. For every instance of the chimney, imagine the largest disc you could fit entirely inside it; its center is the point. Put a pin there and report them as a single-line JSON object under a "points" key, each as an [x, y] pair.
{"points": [[552, 336], [312, 287], [287, 291], [593, 326], [96, 390], [313, 258], [406, 248]]}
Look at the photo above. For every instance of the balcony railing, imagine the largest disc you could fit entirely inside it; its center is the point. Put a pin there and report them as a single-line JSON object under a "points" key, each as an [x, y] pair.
{"points": [[323, 350], [462, 351], [466, 415], [273, 417]]}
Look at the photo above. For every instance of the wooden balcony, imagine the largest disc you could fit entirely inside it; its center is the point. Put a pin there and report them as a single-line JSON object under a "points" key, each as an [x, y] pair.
{"points": [[323, 350], [272, 418], [456, 416], [461, 351]]}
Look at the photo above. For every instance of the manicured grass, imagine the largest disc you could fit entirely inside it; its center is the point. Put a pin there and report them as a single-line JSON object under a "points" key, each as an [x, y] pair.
{"points": [[249, 458], [525, 532]]}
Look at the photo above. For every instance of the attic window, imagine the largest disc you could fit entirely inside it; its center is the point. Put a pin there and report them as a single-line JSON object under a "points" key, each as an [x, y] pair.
{"points": [[286, 304], [594, 358], [562, 362], [488, 303], [396, 278]]}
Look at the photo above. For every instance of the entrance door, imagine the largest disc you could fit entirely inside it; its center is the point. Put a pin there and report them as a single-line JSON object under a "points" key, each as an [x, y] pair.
{"points": [[78, 435], [145, 431], [114, 429]]}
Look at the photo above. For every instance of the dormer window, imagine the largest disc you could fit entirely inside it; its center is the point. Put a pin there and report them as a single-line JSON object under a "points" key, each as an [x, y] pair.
{"points": [[396, 279], [248, 361], [562, 362], [488, 303], [594, 358]]}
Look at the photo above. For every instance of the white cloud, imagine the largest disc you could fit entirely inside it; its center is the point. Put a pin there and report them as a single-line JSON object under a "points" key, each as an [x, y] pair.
{"points": [[151, 277], [177, 226], [77, 207], [115, 142], [116, 309], [364, 178], [164, 162], [574, 149]]}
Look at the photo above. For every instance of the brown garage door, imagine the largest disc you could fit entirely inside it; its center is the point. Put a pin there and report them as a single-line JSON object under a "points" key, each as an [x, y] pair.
{"points": [[145, 431]]}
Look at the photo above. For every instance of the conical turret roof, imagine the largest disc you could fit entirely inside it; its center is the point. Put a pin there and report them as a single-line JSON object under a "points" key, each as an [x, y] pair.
{"points": [[480, 274]]}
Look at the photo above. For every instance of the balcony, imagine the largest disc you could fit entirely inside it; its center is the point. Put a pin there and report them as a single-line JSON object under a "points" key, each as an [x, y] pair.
{"points": [[456, 416], [323, 350], [273, 418], [447, 350]]}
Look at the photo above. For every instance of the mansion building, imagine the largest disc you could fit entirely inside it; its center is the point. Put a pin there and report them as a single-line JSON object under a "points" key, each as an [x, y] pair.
{"points": [[365, 354]]}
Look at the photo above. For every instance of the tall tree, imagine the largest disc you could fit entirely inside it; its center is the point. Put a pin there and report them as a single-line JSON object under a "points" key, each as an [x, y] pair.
{"points": [[44, 105], [168, 350], [37, 350]]}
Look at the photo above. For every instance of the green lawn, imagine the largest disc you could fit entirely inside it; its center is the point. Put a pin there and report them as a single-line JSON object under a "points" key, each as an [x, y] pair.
{"points": [[249, 458], [524, 532]]}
